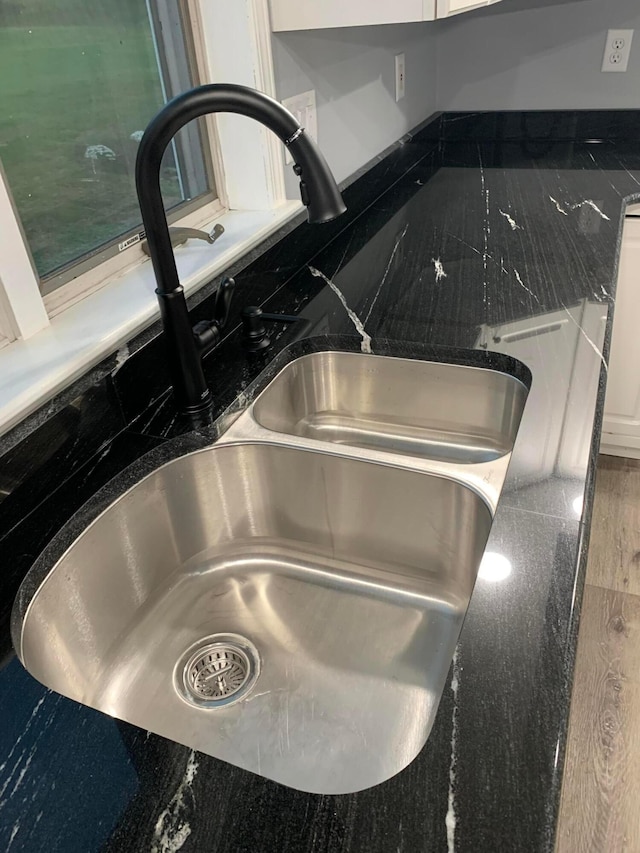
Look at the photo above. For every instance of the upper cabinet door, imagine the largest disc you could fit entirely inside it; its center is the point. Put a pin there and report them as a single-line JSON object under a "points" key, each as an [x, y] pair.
{"points": [[446, 8], [320, 14]]}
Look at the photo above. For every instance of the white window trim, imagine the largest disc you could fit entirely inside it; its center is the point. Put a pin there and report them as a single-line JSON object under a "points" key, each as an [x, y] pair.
{"points": [[49, 350], [233, 45], [22, 312], [36, 369], [79, 288]]}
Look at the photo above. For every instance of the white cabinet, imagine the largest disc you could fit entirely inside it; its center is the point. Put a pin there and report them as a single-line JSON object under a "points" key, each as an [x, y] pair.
{"points": [[321, 14], [621, 427], [446, 8]]}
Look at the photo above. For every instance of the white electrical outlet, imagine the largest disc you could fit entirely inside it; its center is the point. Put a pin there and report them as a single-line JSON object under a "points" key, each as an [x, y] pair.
{"points": [[303, 107], [617, 50], [400, 76]]}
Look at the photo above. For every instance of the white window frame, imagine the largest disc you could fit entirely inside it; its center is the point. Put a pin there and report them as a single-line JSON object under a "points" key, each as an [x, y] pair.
{"points": [[22, 311], [45, 346], [232, 41]]}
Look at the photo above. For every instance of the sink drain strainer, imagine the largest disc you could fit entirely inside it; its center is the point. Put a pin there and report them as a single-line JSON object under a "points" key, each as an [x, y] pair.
{"points": [[218, 670]]}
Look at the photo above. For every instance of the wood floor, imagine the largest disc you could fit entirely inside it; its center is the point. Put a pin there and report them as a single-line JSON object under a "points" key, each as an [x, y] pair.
{"points": [[600, 808]]}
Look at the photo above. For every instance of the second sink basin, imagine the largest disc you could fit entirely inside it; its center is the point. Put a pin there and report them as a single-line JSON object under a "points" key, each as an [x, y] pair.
{"points": [[425, 409], [289, 611]]}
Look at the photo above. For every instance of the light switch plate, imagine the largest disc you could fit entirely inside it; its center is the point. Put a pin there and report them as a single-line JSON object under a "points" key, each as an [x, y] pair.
{"points": [[617, 50], [400, 76], [303, 107]]}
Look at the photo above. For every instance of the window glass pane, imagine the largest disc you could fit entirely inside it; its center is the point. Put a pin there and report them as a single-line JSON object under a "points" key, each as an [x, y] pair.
{"points": [[79, 81]]}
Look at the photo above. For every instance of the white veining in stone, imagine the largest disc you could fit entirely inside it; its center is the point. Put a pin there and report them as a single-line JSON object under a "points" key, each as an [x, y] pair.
{"points": [[632, 176], [514, 225], [23, 761], [587, 339], [14, 831], [450, 819], [366, 338], [613, 187], [523, 285], [26, 729], [464, 243], [172, 829], [587, 201], [440, 273], [486, 226], [121, 356], [558, 207], [590, 203], [385, 274]]}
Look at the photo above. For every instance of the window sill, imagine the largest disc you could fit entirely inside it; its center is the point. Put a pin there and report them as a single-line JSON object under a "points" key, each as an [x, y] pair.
{"points": [[35, 370]]}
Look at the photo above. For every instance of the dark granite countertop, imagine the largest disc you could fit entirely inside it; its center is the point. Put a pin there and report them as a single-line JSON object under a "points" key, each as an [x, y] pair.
{"points": [[482, 231]]}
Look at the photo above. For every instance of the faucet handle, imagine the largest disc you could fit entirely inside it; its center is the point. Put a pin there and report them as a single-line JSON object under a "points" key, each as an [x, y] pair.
{"points": [[254, 332], [222, 305], [207, 333], [179, 236]]}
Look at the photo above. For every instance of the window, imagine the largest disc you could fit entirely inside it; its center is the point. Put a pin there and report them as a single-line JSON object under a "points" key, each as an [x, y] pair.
{"points": [[72, 312], [80, 80]]}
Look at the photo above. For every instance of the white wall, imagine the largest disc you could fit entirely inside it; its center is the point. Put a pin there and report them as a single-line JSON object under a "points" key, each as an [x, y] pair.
{"points": [[518, 54], [510, 57], [353, 73]]}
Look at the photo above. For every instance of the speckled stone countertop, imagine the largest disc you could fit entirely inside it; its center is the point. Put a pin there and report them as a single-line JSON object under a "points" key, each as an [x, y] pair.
{"points": [[492, 231]]}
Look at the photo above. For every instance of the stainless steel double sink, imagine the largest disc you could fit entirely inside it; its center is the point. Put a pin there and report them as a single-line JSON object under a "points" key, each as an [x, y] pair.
{"points": [[289, 599]]}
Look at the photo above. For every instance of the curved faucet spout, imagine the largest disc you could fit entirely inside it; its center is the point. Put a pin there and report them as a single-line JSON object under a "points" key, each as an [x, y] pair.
{"points": [[318, 190]]}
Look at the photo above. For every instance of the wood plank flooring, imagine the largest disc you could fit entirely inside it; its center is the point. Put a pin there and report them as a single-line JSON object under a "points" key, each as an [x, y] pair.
{"points": [[614, 548], [600, 807]]}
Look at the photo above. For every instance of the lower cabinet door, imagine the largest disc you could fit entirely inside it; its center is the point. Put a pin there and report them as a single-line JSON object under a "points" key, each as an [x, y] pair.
{"points": [[621, 428]]}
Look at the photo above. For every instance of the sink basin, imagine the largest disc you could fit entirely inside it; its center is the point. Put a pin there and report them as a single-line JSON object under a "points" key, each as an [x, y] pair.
{"points": [[423, 409], [289, 611], [290, 598]]}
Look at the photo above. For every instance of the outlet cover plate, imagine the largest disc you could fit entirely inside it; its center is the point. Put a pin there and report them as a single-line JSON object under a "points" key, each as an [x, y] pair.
{"points": [[400, 76], [303, 107], [617, 50]]}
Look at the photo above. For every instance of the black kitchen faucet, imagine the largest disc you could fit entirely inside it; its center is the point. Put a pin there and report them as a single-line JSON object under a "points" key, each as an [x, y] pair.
{"points": [[318, 191]]}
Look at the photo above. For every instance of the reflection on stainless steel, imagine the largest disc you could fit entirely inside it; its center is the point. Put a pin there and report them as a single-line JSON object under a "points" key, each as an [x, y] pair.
{"points": [[283, 603], [418, 408]]}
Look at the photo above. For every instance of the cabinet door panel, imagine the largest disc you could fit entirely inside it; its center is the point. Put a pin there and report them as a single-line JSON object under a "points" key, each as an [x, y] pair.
{"points": [[622, 402], [320, 14], [454, 7]]}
